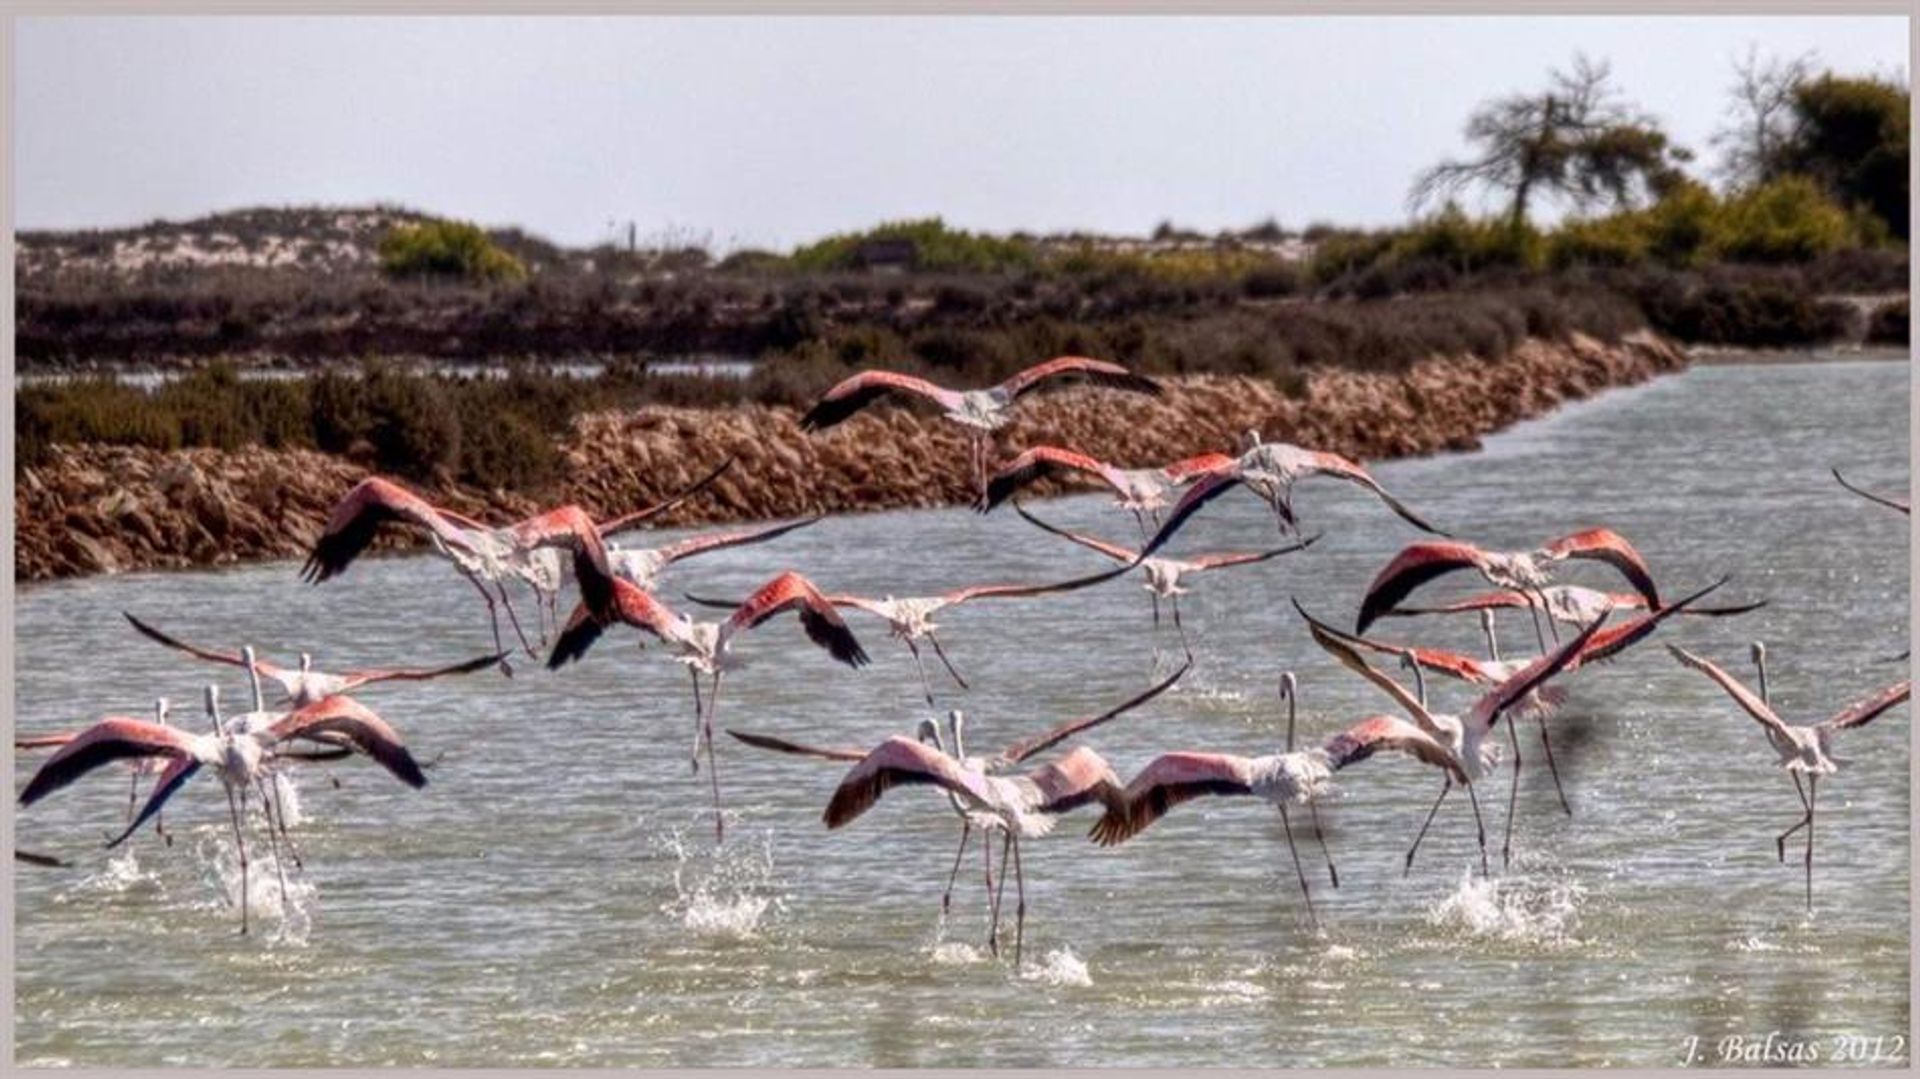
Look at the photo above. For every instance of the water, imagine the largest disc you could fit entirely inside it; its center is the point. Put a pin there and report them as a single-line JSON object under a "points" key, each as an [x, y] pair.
{"points": [[146, 378], [555, 897]]}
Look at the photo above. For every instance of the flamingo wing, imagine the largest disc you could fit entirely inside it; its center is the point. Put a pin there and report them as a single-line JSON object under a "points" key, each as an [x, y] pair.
{"points": [[1037, 463], [1168, 780], [1485, 601], [1021, 750], [1453, 664], [781, 745], [1076, 779], [347, 718], [899, 761], [1861, 713], [1742, 696], [1371, 735], [791, 591], [1243, 558], [112, 739], [632, 605], [1606, 545], [357, 518], [1111, 550], [638, 517], [1337, 644], [1487, 710], [44, 741], [570, 527], [1207, 486], [1188, 468], [855, 393], [1415, 565], [1613, 640], [367, 676], [1016, 591], [719, 541], [178, 771], [1097, 372], [1892, 503], [1332, 464]]}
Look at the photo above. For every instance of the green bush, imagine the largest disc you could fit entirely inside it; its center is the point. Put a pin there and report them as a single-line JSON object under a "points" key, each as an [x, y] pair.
{"points": [[447, 249], [1469, 245], [936, 248], [1616, 240], [1787, 220]]}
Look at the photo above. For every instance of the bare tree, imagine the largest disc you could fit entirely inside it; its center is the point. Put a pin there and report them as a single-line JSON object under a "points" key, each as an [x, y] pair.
{"points": [[1761, 117], [1576, 140]]}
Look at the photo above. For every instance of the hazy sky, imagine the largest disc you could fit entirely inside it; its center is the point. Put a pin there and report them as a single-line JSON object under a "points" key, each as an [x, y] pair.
{"points": [[772, 131]]}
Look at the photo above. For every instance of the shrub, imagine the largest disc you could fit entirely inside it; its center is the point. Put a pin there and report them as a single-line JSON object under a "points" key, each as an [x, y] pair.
{"points": [[447, 249], [936, 248], [1889, 325], [1787, 220]]}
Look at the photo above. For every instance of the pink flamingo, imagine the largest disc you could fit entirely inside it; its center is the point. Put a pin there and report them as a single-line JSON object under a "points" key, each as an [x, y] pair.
{"points": [[1567, 604], [1143, 492], [980, 411], [136, 766], [707, 647]]}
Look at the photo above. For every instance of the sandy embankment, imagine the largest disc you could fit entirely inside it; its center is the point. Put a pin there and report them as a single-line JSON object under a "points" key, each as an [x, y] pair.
{"points": [[98, 509]]}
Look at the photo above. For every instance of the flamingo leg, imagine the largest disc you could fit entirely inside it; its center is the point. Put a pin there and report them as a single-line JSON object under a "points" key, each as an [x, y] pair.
{"points": [[1479, 825], [1552, 626], [1305, 892], [1188, 648], [993, 901], [713, 770], [515, 619], [699, 714], [1156, 609], [133, 794], [240, 841], [1020, 900], [926, 687], [493, 616], [1780, 844], [1546, 744], [945, 662], [1813, 796], [1313, 809], [1000, 890], [1513, 796], [966, 833], [1411, 851]]}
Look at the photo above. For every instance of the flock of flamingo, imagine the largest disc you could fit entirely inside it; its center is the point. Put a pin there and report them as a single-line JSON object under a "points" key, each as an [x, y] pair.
{"points": [[315, 719]]}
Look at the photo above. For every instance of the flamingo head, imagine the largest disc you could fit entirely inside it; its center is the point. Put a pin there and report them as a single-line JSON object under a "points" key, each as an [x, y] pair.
{"points": [[1289, 685], [213, 708], [1250, 441], [306, 662], [928, 732], [1758, 650], [160, 711]]}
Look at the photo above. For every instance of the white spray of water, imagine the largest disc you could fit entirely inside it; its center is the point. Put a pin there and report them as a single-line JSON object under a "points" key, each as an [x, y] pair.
{"points": [[288, 911], [287, 792], [1060, 967], [1516, 909], [726, 893], [952, 953], [120, 873]]}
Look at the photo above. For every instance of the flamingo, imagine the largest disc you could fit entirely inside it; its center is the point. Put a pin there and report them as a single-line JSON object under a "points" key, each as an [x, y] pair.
{"points": [[1568, 604], [1164, 574], [1526, 571], [1803, 750], [482, 553], [1142, 492], [971, 815], [1270, 469], [910, 618], [304, 685], [1892, 503], [980, 411], [707, 647], [1465, 738], [136, 767], [1020, 806], [240, 757]]}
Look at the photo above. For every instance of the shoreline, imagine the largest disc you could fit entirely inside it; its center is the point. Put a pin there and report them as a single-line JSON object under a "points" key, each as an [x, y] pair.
{"points": [[109, 509]]}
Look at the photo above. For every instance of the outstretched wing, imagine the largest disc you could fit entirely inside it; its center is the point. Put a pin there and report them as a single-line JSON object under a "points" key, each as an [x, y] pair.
{"points": [[348, 718], [1484, 601], [1188, 468], [1167, 781], [1038, 463], [357, 517], [112, 739], [1111, 550], [571, 528], [178, 771], [720, 541], [1613, 640], [781, 745], [1371, 735], [1861, 713], [1892, 503], [1487, 710], [1021, 750], [1098, 372], [638, 517], [632, 605], [898, 761], [792, 592], [1415, 565], [1453, 664], [1074, 780], [1242, 558], [369, 675], [1606, 545], [1741, 695], [1332, 464], [856, 393], [1336, 644], [1207, 486]]}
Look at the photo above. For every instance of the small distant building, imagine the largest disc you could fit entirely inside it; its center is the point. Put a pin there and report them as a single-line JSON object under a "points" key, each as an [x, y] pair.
{"points": [[886, 256]]}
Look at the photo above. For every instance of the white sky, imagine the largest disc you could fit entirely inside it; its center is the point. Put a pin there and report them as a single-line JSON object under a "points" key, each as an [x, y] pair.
{"points": [[769, 132]]}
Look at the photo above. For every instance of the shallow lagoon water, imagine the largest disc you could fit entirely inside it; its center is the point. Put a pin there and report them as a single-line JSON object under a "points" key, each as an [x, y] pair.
{"points": [[554, 896]]}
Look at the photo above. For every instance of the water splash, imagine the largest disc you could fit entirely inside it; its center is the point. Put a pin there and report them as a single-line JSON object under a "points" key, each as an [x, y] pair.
{"points": [[723, 893], [1060, 967], [1522, 910], [120, 874], [952, 953], [289, 909]]}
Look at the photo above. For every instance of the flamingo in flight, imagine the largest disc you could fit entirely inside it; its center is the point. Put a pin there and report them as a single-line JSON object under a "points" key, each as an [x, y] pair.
{"points": [[1019, 806], [910, 618], [1900, 504], [980, 411], [241, 758], [1567, 604], [1803, 750], [1143, 492], [707, 647], [972, 815], [1270, 469], [304, 685], [136, 767], [1164, 574], [482, 553], [1525, 571]]}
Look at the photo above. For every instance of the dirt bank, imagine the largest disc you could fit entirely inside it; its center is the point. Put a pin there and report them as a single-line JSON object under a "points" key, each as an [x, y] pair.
{"points": [[97, 509]]}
